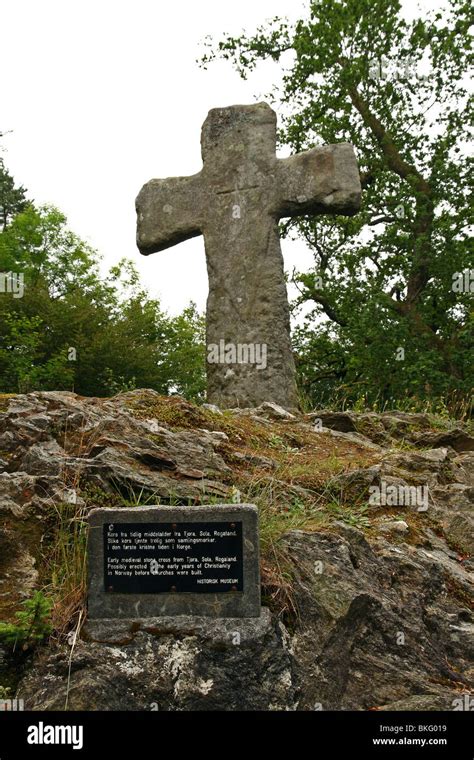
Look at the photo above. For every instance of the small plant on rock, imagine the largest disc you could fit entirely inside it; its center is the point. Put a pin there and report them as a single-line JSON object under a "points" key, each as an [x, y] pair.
{"points": [[33, 624]]}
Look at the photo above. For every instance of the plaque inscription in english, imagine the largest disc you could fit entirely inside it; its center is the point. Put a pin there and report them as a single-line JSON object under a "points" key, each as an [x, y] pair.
{"points": [[153, 558]]}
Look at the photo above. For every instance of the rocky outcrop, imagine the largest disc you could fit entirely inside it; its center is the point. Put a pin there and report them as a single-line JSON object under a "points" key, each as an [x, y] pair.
{"points": [[367, 603], [211, 666], [378, 622]]}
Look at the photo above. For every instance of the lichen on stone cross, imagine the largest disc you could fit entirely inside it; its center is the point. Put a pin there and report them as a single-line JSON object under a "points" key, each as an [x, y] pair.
{"points": [[236, 201]]}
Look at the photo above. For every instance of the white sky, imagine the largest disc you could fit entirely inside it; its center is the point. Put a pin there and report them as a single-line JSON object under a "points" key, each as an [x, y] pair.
{"points": [[103, 95]]}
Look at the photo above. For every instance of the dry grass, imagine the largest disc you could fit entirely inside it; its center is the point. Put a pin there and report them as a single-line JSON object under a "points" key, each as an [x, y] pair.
{"points": [[5, 400], [65, 566], [283, 467], [290, 494]]}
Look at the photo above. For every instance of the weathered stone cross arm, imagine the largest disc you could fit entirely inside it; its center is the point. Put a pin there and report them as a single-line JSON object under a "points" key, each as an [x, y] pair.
{"points": [[319, 181], [169, 212]]}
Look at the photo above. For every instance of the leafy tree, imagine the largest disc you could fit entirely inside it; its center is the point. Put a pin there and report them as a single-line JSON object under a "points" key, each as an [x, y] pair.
{"points": [[12, 198], [383, 319], [74, 329]]}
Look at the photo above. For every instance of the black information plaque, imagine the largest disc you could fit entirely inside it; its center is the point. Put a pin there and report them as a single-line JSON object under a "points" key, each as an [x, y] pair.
{"points": [[151, 558]]}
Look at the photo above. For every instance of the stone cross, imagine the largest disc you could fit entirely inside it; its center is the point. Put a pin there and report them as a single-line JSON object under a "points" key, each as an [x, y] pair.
{"points": [[236, 201]]}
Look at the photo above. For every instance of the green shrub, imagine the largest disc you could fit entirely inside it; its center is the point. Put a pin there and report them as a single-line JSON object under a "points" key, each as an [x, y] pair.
{"points": [[33, 623]]}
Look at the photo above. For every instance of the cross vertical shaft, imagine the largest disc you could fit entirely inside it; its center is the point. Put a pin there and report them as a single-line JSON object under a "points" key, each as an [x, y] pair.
{"points": [[235, 202]]}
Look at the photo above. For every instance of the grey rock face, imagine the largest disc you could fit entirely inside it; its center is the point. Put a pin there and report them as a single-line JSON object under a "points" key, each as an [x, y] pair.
{"points": [[236, 202], [354, 589], [458, 439], [198, 665], [376, 627], [376, 608]]}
